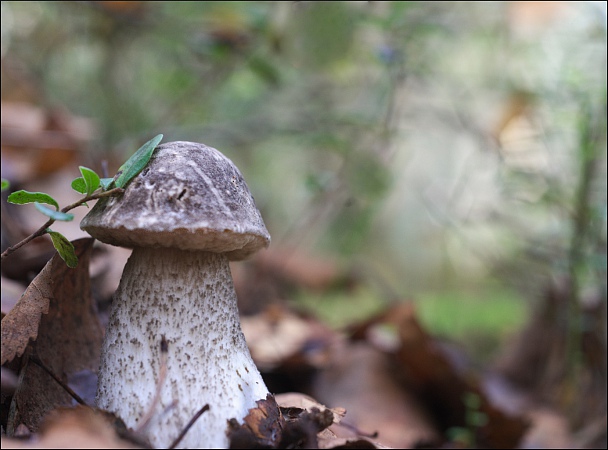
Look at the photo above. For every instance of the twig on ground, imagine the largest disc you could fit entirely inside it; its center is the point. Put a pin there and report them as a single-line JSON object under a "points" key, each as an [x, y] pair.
{"points": [[68, 389], [188, 426], [42, 230]]}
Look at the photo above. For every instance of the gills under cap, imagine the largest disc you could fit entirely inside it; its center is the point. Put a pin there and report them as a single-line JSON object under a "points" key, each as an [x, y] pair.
{"points": [[189, 196]]}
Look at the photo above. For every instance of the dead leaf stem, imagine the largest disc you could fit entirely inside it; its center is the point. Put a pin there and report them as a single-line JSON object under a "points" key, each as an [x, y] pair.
{"points": [[177, 440], [356, 430], [68, 389], [164, 349]]}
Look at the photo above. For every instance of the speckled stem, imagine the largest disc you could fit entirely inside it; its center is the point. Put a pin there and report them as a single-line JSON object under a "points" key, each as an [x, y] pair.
{"points": [[189, 298]]}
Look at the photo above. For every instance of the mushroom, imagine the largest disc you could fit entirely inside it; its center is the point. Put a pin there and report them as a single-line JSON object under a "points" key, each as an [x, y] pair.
{"points": [[185, 215]]}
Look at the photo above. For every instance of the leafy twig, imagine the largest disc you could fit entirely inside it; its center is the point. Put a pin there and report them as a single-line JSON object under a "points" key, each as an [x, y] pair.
{"points": [[89, 184], [43, 229]]}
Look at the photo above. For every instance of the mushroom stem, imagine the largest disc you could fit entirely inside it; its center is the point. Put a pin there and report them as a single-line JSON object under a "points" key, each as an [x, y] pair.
{"points": [[188, 297]]}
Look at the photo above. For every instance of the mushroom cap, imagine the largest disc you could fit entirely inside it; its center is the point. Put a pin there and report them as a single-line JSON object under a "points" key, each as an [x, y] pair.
{"points": [[190, 197]]}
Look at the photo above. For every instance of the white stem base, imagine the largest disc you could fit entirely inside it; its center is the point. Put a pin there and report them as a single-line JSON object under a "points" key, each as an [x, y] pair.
{"points": [[189, 298]]}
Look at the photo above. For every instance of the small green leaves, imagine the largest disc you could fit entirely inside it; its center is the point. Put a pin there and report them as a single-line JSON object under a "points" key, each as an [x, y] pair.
{"points": [[88, 183], [90, 178], [136, 163], [55, 215], [23, 197], [79, 185], [106, 183], [64, 247]]}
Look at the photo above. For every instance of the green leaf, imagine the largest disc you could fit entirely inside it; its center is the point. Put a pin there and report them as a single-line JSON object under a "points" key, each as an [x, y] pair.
{"points": [[23, 197], [91, 179], [64, 247], [323, 34], [106, 183], [264, 69], [5, 184], [136, 163], [79, 185], [55, 215]]}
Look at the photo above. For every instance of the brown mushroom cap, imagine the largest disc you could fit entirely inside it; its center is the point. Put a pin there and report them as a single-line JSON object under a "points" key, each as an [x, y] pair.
{"points": [[189, 196]]}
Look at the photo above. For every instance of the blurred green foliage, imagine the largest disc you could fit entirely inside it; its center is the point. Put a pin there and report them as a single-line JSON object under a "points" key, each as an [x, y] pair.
{"points": [[436, 143]]}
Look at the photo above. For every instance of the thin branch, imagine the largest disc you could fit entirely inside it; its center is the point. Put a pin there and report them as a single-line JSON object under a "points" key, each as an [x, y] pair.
{"points": [[42, 230], [164, 349], [188, 426], [68, 389], [353, 428], [111, 193]]}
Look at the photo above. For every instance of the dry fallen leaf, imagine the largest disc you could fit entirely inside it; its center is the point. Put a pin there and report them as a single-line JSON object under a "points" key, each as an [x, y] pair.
{"points": [[297, 400], [22, 322], [278, 335], [58, 315], [440, 385], [304, 413], [78, 427], [270, 276], [445, 388], [361, 378], [301, 423], [262, 427]]}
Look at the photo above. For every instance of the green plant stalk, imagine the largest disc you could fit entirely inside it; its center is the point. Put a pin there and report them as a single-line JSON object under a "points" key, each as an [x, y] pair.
{"points": [[590, 138], [42, 230]]}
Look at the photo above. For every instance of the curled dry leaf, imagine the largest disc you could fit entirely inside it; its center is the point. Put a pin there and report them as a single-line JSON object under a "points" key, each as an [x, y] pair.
{"points": [[262, 427], [22, 322], [293, 426], [305, 416], [55, 281], [58, 314], [300, 401]]}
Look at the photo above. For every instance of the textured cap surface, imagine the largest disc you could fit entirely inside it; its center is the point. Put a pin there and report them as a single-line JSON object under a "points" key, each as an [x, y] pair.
{"points": [[189, 196]]}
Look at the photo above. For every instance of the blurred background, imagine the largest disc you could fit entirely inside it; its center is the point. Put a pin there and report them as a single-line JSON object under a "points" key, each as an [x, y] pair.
{"points": [[447, 154]]}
